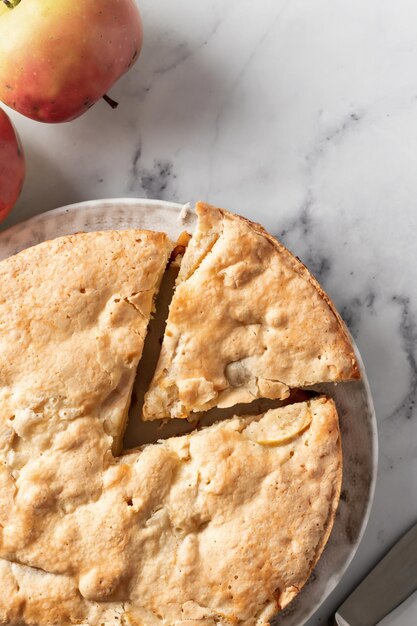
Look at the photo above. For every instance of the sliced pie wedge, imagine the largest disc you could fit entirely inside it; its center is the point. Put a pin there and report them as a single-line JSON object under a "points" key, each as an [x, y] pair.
{"points": [[247, 321], [73, 318], [221, 526]]}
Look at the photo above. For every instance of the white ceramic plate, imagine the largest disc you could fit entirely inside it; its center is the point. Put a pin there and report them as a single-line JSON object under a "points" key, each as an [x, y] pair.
{"points": [[357, 417]]}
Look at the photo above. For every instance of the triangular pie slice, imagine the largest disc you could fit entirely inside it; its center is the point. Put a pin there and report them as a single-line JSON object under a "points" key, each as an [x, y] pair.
{"points": [[218, 527], [247, 321], [73, 318]]}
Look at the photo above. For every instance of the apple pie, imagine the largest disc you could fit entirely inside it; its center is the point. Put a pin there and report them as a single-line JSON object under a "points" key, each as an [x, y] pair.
{"points": [[218, 527], [247, 321], [221, 526]]}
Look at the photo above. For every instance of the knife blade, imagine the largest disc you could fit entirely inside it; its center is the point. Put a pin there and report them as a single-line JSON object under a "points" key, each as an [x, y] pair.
{"points": [[391, 582]]}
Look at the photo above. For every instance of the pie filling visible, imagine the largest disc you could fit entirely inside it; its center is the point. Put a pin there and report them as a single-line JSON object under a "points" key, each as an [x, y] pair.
{"points": [[219, 526]]}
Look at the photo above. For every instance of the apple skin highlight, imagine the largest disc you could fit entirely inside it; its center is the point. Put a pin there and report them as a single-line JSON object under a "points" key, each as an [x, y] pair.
{"points": [[58, 57], [12, 165]]}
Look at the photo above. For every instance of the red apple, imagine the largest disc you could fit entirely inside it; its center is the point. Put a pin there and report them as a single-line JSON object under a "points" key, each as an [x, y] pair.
{"points": [[58, 57], [12, 165]]}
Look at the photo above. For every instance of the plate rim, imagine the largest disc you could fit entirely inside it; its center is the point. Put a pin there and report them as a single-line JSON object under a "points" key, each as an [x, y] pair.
{"points": [[175, 207], [87, 204]]}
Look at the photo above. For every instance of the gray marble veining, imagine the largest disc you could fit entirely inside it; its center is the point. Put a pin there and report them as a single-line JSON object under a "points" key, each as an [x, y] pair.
{"points": [[301, 116]]}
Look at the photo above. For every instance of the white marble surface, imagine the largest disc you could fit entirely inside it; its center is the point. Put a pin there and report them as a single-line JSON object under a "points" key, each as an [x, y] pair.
{"points": [[301, 115]]}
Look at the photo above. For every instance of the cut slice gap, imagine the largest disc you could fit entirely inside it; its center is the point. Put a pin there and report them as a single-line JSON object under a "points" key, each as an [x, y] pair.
{"points": [[71, 341], [141, 432], [247, 320], [152, 346], [134, 433]]}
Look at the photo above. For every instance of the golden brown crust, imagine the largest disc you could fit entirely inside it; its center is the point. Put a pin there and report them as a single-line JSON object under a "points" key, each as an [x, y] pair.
{"points": [[301, 269], [222, 526], [32, 597], [73, 316], [247, 320], [169, 535]]}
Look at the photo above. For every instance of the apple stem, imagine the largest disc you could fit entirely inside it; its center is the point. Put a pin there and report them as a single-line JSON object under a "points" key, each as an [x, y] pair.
{"points": [[11, 4], [109, 100]]}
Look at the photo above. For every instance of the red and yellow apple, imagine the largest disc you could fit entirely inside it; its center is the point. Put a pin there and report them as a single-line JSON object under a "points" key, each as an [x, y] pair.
{"points": [[58, 57], [12, 165]]}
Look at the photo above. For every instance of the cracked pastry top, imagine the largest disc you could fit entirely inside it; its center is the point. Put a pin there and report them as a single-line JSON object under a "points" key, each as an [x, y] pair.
{"points": [[73, 318], [247, 320], [218, 527]]}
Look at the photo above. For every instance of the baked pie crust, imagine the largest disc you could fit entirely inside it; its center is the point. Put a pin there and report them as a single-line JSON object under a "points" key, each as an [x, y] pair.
{"points": [[247, 321], [218, 527], [221, 526]]}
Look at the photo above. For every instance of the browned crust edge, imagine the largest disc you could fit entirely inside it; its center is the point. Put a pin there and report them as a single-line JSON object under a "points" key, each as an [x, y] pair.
{"points": [[330, 518], [336, 493], [303, 271]]}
